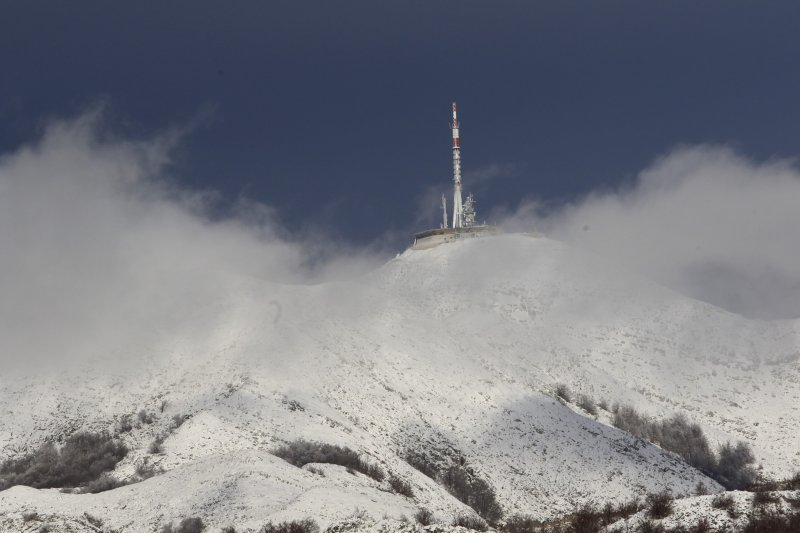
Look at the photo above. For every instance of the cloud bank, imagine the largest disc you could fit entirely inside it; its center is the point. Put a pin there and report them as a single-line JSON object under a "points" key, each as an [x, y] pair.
{"points": [[98, 245], [704, 220]]}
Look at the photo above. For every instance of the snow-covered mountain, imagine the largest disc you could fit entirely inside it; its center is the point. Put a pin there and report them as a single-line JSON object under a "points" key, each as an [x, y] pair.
{"points": [[451, 352]]}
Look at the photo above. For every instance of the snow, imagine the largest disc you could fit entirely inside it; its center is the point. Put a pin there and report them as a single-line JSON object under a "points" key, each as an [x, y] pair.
{"points": [[454, 348], [688, 511]]}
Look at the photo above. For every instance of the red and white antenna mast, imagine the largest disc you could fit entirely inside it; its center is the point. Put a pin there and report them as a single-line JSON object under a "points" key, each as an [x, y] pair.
{"points": [[457, 216]]}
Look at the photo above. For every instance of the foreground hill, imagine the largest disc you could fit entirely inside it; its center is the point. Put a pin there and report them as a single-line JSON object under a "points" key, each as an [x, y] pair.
{"points": [[733, 511], [451, 354]]}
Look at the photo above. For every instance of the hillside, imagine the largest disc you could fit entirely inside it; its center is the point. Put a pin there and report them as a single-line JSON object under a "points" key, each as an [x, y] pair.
{"points": [[687, 512], [450, 352]]}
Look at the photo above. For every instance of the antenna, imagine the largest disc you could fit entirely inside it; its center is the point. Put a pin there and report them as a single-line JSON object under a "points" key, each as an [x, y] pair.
{"points": [[457, 222]]}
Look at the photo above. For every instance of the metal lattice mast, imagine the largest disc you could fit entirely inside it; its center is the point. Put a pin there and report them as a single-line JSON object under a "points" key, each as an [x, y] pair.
{"points": [[457, 215]]}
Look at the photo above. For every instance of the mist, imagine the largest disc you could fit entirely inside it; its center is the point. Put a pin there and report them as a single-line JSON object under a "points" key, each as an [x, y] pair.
{"points": [[704, 220], [100, 246]]}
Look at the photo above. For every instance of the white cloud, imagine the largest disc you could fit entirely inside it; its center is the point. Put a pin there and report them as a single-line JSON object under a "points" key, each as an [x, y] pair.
{"points": [[98, 246], [703, 220]]}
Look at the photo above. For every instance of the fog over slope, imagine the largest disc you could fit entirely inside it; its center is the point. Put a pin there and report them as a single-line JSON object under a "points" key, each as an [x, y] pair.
{"points": [[100, 244], [703, 220], [100, 241]]}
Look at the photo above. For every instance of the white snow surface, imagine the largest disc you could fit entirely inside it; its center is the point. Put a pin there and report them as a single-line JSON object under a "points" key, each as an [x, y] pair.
{"points": [[687, 512], [456, 350]]}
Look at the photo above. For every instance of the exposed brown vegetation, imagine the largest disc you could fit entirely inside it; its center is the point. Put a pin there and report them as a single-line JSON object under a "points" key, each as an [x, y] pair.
{"points": [[83, 459], [731, 466], [306, 525], [302, 452]]}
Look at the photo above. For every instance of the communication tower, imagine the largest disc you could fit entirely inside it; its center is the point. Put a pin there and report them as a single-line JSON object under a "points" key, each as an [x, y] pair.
{"points": [[464, 216]]}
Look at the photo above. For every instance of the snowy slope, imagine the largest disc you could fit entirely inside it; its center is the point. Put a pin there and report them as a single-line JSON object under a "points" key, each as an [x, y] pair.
{"points": [[688, 511], [455, 350]]}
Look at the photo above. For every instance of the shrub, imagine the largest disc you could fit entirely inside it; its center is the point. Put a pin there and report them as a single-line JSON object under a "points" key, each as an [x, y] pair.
{"points": [[678, 435], [103, 483], [469, 521], [702, 526], [660, 504], [590, 518], [762, 484], [401, 486], [157, 446], [723, 501], [177, 421], [586, 519], [603, 404], [629, 508], [772, 522], [373, 471], [607, 515], [461, 482], [587, 404], [187, 525], [83, 458], [306, 525], [764, 498], [146, 470], [628, 419], [301, 452], [315, 470], [731, 467], [473, 491], [648, 526], [87, 455], [700, 489], [675, 434], [93, 520], [144, 417], [734, 468], [30, 517], [228, 529], [124, 425], [520, 524], [422, 463], [191, 525], [424, 516], [563, 392]]}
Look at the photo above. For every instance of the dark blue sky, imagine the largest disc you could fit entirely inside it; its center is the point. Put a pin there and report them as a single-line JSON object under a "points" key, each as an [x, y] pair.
{"points": [[337, 112]]}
